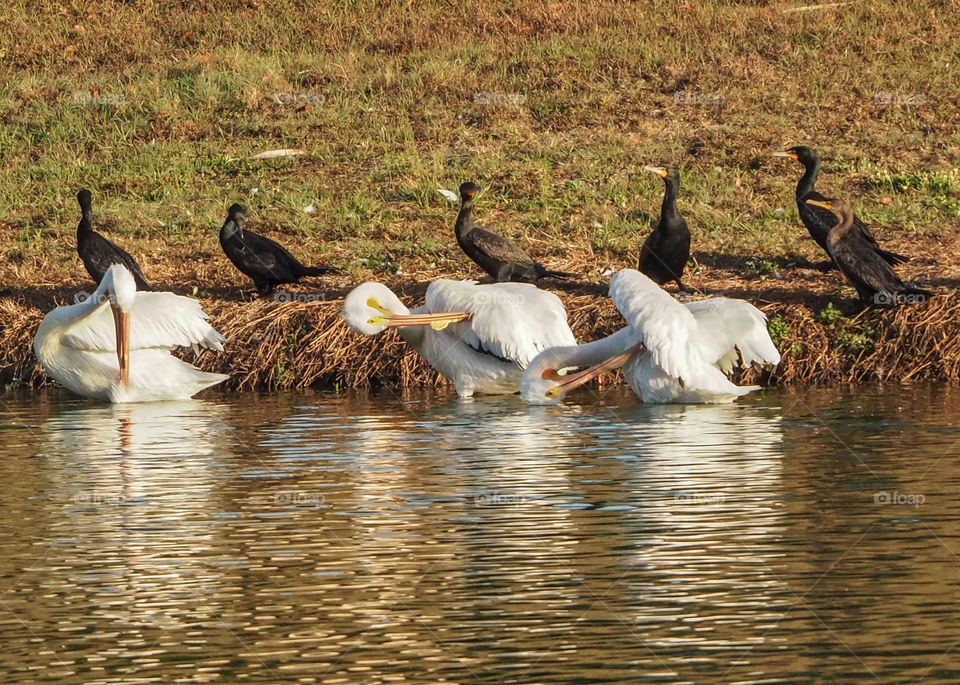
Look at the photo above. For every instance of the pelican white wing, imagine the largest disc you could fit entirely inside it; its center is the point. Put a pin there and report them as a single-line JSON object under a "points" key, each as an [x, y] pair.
{"points": [[157, 320], [665, 326], [732, 332], [514, 321]]}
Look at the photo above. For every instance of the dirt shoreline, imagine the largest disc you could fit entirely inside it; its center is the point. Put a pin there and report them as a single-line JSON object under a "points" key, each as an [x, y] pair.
{"points": [[297, 339]]}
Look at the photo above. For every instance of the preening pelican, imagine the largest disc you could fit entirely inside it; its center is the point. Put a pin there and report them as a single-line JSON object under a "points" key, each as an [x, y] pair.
{"points": [[115, 345], [481, 337], [671, 352]]}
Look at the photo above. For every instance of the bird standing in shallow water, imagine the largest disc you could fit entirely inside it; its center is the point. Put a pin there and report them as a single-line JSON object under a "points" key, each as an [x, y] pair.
{"points": [[819, 221], [671, 352], [98, 253], [665, 251], [263, 260], [865, 269], [479, 336], [498, 256], [115, 345]]}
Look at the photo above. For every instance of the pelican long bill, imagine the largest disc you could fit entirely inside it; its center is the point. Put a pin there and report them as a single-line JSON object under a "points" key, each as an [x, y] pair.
{"points": [[437, 321], [573, 381], [122, 323]]}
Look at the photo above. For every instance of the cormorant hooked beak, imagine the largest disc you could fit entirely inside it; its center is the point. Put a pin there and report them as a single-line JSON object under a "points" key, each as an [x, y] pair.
{"points": [[789, 155], [820, 203], [658, 170]]}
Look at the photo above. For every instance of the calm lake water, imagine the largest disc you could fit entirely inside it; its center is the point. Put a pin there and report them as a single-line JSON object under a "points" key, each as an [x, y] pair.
{"points": [[797, 536]]}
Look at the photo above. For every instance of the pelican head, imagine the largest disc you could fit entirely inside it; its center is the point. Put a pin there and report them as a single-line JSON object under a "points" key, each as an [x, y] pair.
{"points": [[367, 307], [118, 284], [553, 373], [541, 382], [372, 307]]}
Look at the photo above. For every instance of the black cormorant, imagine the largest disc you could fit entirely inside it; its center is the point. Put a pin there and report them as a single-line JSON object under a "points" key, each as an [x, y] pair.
{"points": [[98, 253], [817, 220], [665, 251], [875, 280], [498, 256], [260, 258]]}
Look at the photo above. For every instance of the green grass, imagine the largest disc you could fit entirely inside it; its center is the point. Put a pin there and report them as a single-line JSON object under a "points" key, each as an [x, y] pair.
{"points": [[157, 106]]}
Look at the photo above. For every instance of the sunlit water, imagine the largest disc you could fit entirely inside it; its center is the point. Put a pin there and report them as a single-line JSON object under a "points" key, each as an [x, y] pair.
{"points": [[797, 536]]}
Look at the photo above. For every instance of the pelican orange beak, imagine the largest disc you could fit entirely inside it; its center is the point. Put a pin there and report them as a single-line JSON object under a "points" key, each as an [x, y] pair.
{"points": [[437, 321], [820, 203], [122, 323], [658, 170], [573, 381], [789, 155]]}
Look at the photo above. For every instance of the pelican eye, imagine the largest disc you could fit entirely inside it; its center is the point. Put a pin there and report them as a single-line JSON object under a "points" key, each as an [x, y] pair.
{"points": [[552, 391]]}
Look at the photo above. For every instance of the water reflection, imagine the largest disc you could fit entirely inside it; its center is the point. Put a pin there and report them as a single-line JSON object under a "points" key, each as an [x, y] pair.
{"points": [[383, 539]]}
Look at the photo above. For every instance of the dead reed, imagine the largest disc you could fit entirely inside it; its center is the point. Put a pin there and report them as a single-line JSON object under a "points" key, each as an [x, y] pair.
{"points": [[300, 344]]}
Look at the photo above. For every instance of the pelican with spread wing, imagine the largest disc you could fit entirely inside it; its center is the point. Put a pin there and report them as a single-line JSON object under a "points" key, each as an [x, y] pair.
{"points": [[116, 344], [671, 352], [481, 337]]}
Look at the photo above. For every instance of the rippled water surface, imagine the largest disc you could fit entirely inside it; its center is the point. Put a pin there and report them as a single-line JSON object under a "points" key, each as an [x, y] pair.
{"points": [[798, 536]]}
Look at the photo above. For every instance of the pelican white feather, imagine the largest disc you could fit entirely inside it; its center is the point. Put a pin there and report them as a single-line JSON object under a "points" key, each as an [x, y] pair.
{"points": [[481, 337], [88, 347], [671, 352]]}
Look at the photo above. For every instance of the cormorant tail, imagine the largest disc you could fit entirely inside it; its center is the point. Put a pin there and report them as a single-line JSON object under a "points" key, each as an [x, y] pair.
{"points": [[892, 258], [318, 270]]}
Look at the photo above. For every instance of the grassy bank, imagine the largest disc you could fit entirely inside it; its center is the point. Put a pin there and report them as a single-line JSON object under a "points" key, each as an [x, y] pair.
{"points": [[552, 107]]}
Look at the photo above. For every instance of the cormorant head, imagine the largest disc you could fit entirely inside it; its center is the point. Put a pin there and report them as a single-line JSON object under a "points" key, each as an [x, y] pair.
{"points": [[468, 190], [839, 208], [83, 197], [667, 172], [235, 216], [799, 153]]}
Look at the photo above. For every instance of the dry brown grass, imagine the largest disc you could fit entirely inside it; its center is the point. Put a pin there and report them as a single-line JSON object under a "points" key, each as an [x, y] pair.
{"points": [[299, 344]]}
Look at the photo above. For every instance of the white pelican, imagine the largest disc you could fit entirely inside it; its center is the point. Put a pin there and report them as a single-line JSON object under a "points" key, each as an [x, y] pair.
{"points": [[479, 336], [125, 357], [672, 352]]}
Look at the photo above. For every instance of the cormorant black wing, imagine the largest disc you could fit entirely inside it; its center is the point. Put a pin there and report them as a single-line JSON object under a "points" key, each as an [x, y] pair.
{"points": [[99, 254], [497, 255], [819, 221]]}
